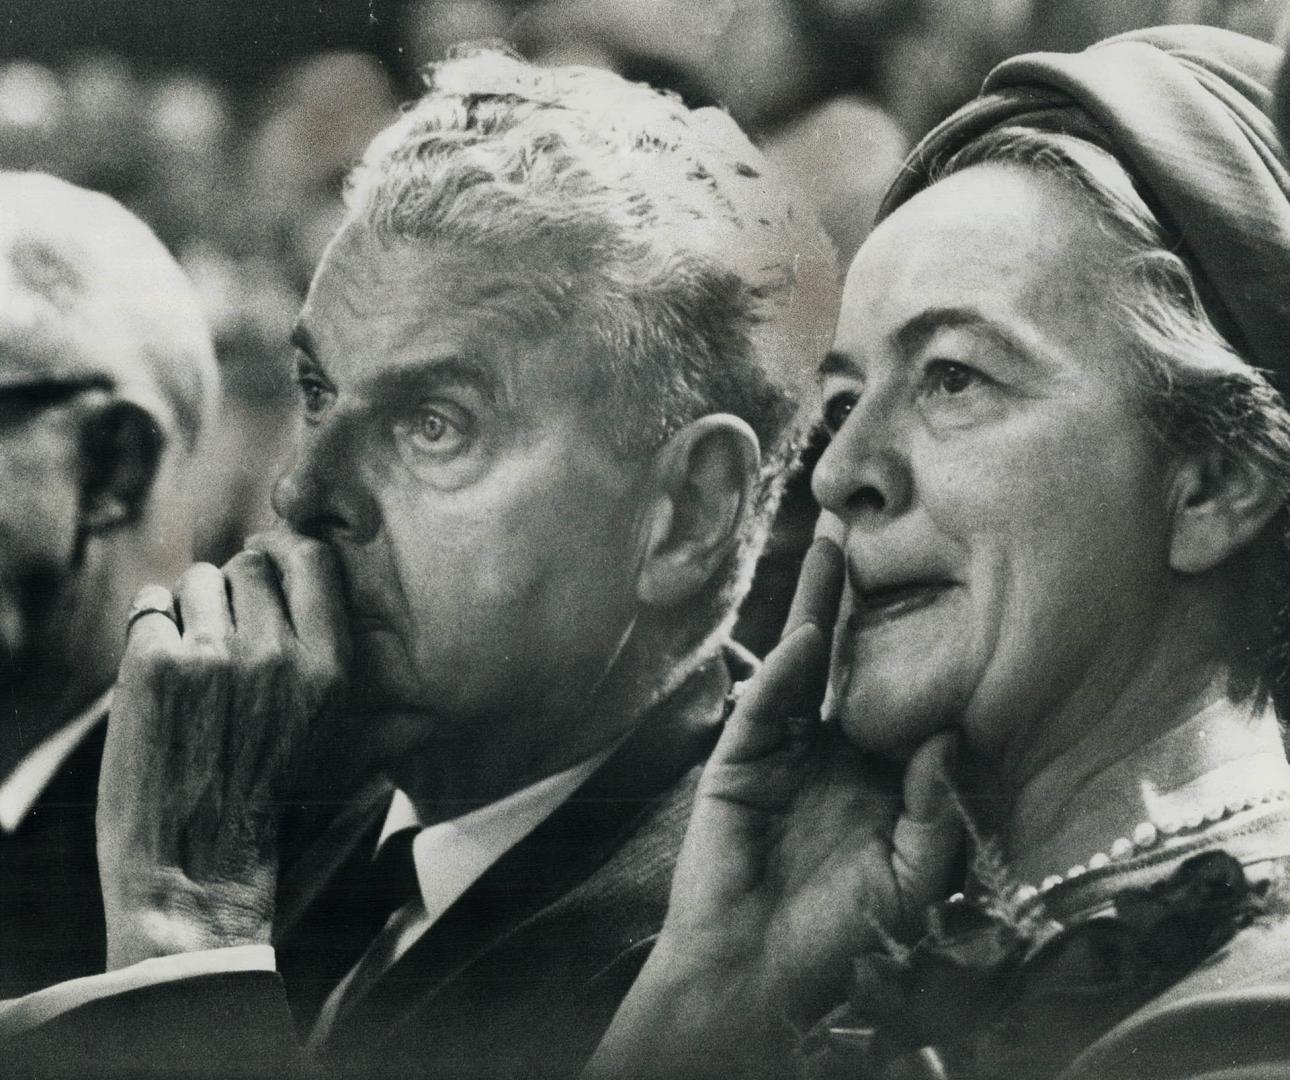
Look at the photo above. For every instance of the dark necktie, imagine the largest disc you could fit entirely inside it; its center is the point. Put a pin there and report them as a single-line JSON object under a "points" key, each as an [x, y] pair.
{"points": [[339, 927], [393, 878]]}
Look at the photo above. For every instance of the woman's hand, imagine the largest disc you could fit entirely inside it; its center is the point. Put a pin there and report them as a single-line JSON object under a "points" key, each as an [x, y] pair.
{"points": [[799, 854], [212, 704]]}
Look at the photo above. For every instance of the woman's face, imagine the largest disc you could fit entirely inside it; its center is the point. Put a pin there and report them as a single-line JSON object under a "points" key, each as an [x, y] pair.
{"points": [[1004, 510]]}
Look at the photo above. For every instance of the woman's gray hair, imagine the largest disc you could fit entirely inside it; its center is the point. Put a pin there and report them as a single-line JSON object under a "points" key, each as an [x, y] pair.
{"points": [[1195, 389]]}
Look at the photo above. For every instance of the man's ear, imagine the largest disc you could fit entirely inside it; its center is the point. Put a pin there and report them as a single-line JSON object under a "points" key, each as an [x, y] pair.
{"points": [[703, 479], [121, 447], [1220, 505]]}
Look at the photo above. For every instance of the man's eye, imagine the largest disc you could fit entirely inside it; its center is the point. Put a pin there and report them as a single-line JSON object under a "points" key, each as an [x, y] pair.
{"points": [[433, 427], [837, 409], [436, 429], [951, 377]]}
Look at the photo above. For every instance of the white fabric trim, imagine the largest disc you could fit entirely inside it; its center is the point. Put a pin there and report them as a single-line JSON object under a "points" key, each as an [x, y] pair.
{"points": [[21, 1014], [22, 787]]}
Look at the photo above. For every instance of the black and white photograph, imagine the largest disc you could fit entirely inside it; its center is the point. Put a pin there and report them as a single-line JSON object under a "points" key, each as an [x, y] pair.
{"points": [[644, 539]]}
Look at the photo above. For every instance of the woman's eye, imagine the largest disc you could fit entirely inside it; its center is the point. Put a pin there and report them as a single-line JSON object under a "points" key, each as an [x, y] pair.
{"points": [[313, 395], [836, 410], [951, 377]]}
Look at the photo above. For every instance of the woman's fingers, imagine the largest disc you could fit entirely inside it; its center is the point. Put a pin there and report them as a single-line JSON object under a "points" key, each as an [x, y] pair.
{"points": [[784, 697], [781, 698], [929, 831], [819, 588]]}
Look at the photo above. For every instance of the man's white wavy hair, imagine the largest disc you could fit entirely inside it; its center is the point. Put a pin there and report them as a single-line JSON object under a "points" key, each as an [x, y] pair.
{"points": [[651, 233]]}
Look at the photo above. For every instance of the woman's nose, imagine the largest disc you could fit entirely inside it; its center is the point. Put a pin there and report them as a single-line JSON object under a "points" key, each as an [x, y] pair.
{"points": [[323, 493], [865, 470]]}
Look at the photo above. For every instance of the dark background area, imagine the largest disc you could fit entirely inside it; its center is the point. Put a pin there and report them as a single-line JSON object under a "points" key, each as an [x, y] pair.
{"points": [[239, 43]]}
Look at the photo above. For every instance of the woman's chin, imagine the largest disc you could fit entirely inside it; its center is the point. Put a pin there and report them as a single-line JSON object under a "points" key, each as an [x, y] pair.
{"points": [[891, 720]]}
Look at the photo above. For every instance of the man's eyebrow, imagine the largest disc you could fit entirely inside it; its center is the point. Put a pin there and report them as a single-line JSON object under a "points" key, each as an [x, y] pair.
{"points": [[410, 378], [420, 375]]}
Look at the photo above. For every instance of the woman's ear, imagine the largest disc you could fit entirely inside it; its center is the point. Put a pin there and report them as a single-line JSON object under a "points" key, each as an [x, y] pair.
{"points": [[121, 448], [702, 483], [1221, 504]]}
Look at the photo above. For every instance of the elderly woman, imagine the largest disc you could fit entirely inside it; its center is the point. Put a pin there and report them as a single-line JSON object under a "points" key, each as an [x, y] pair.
{"points": [[1055, 508]]}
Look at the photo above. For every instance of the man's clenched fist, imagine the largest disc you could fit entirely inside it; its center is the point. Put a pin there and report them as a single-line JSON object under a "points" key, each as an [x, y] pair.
{"points": [[219, 683]]}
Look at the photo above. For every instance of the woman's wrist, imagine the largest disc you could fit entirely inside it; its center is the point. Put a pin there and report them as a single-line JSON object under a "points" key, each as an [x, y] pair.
{"points": [[688, 1017]]}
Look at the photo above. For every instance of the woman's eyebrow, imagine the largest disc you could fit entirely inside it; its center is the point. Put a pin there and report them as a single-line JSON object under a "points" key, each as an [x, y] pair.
{"points": [[836, 362], [914, 333], [301, 339]]}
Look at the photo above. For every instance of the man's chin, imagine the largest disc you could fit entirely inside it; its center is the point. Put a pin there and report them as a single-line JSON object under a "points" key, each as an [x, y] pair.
{"points": [[389, 737]]}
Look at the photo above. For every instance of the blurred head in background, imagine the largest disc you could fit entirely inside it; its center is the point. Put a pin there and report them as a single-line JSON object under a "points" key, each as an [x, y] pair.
{"points": [[107, 386]]}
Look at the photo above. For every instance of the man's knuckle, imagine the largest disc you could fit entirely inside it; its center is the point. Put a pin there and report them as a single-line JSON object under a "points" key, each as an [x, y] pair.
{"points": [[265, 662], [311, 556], [207, 646], [203, 663], [152, 661], [248, 562], [198, 574], [324, 675]]}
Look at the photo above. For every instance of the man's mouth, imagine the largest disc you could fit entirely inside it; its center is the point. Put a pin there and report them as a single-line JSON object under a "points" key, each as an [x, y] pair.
{"points": [[878, 606]]}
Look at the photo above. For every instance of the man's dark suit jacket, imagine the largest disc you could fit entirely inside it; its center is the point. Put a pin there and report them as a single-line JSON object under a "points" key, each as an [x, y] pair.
{"points": [[518, 979], [51, 908]]}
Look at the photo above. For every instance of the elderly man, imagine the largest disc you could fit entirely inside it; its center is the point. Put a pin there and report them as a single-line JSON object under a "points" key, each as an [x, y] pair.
{"points": [[106, 379], [547, 370]]}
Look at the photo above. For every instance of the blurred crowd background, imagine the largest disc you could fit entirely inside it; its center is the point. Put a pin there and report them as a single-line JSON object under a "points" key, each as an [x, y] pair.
{"points": [[228, 125]]}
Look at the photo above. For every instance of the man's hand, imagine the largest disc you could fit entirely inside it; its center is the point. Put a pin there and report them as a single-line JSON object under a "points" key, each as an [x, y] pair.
{"points": [[212, 704], [800, 853]]}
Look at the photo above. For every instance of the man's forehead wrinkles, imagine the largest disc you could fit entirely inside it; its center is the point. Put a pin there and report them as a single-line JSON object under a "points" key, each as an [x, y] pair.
{"points": [[408, 374]]}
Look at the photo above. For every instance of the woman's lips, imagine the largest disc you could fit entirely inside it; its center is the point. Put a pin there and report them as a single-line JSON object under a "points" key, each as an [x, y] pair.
{"points": [[878, 606]]}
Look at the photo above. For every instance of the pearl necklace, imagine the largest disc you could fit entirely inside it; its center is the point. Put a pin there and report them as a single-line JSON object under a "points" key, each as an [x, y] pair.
{"points": [[1145, 836]]}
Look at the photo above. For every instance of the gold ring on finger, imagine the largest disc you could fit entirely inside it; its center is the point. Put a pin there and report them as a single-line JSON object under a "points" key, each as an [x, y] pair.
{"points": [[150, 602]]}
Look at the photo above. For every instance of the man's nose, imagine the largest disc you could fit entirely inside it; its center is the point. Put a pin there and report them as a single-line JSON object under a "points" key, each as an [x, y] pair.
{"points": [[324, 494], [865, 472]]}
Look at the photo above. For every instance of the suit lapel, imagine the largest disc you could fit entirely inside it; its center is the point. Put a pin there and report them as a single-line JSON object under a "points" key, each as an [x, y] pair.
{"points": [[326, 859], [322, 925], [561, 853], [51, 907]]}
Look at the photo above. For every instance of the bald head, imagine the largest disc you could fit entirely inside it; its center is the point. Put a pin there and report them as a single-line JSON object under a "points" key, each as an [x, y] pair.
{"points": [[107, 380], [89, 295]]}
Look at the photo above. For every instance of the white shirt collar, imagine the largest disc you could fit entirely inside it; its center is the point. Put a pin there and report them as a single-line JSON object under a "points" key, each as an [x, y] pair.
{"points": [[22, 787], [452, 855]]}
